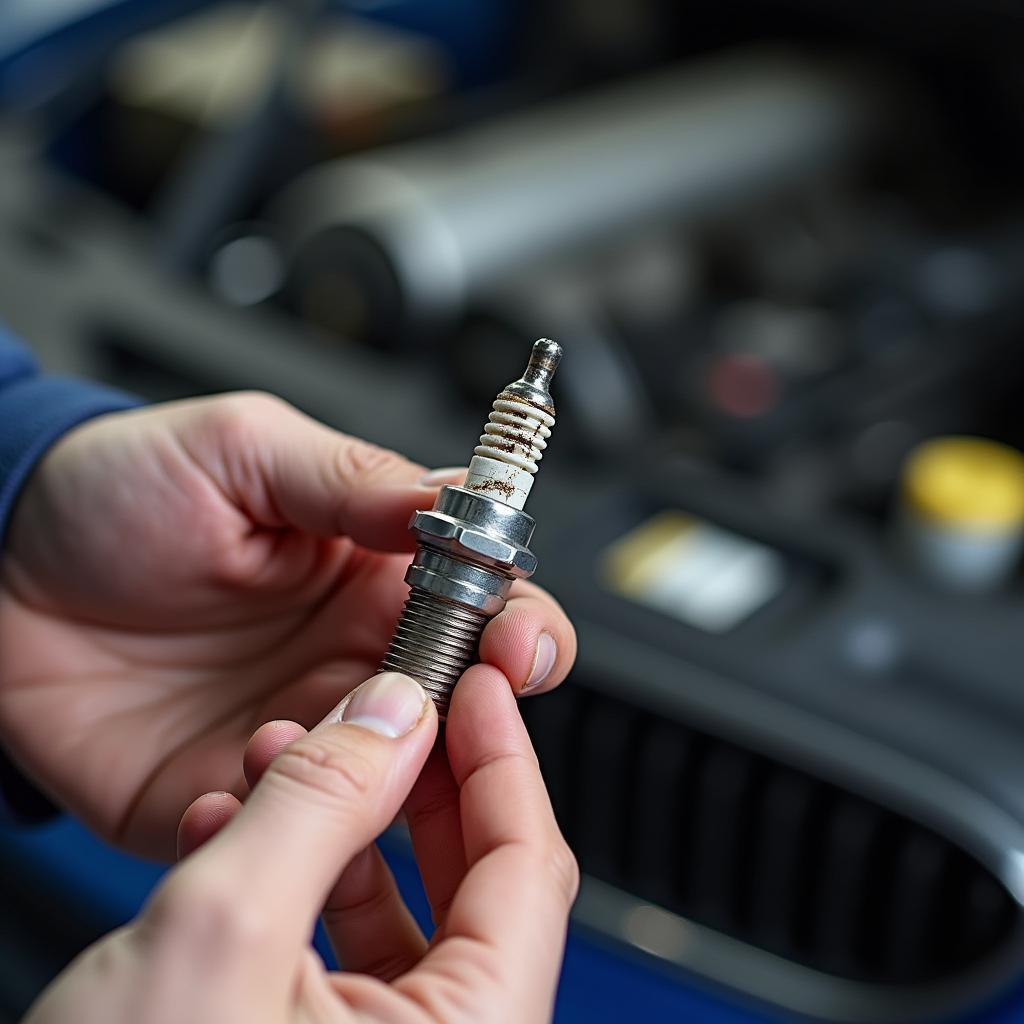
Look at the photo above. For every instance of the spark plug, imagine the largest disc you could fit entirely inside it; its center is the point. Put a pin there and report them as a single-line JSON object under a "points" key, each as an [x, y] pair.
{"points": [[474, 542]]}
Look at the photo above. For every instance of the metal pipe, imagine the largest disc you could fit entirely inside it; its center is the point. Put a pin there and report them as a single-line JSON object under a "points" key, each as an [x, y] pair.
{"points": [[405, 234]]}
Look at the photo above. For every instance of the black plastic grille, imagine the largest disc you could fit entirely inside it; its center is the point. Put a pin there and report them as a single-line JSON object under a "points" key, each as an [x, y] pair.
{"points": [[759, 850]]}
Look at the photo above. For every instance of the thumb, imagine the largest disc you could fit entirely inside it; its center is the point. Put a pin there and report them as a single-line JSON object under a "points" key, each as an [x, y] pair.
{"points": [[322, 800], [283, 468]]}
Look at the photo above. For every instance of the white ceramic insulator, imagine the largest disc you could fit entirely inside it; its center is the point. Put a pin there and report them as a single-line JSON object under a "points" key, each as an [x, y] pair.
{"points": [[499, 480], [510, 447], [516, 433]]}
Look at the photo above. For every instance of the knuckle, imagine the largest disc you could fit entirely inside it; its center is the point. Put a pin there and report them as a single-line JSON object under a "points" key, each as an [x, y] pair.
{"points": [[387, 967], [344, 776], [238, 414], [257, 403], [341, 911], [360, 462], [436, 807], [454, 995], [199, 912]]}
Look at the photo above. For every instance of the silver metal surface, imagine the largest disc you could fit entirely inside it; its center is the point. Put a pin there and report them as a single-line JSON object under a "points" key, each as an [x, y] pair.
{"points": [[534, 383], [435, 641], [454, 578], [450, 217], [494, 517], [471, 547], [449, 534]]}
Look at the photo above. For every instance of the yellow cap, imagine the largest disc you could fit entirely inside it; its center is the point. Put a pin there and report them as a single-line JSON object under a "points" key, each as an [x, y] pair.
{"points": [[967, 483]]}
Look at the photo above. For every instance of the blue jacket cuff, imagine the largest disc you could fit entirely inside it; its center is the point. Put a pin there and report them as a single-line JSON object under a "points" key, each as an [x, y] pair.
{"points": [[37, 411]]}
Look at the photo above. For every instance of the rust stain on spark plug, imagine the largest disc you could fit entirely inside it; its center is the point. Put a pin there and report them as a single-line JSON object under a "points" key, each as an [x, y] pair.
{"points": [[503, 444], [511, 396], [502, 487]]}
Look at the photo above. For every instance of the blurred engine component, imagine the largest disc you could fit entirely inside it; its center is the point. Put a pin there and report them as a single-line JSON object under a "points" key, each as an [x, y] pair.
{"points": [[238, 79], [389, 247], [961, 520], [208, 69], [693, 571]]}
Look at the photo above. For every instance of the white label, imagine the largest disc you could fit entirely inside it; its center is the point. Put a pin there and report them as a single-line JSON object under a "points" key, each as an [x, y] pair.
{"points": [[694, 571]]}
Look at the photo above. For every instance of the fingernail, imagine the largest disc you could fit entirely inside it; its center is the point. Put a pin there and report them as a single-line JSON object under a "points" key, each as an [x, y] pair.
{"points": [[445, 475], [389, 704], [543, 662]]}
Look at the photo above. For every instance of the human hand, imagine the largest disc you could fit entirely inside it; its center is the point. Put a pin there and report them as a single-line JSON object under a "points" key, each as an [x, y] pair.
{"points": [[225, 938], [176, 576]]}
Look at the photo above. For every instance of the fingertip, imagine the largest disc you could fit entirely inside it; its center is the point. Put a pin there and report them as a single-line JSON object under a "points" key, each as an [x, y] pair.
{"points": [[481, 688], [203, 819], [265, 744], [532, 642]]}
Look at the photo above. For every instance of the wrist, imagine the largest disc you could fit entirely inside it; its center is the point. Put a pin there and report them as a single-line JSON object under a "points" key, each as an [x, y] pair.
{"points": [[35, 413]]}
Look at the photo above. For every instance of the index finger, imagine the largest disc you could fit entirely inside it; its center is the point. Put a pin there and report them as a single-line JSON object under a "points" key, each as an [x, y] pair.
{"points": [[505, 930], [284, 469]]}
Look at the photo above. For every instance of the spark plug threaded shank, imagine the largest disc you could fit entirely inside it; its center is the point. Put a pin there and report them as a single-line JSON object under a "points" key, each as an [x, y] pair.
{"points": [[435, 641], [474, 542]]}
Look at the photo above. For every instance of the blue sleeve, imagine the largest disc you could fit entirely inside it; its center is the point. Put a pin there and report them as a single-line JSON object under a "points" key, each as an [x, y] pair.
{"points": [[36, 410]]}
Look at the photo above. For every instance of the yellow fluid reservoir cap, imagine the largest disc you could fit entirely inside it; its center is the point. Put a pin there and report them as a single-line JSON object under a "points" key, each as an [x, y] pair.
{"points": [[969, 483]]}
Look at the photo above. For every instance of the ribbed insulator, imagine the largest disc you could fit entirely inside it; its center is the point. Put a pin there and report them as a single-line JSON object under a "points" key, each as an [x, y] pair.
{"points": [[516, 433], [435, 642]]}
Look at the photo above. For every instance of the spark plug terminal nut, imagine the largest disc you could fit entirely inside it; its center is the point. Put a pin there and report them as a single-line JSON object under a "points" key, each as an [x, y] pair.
{"points": [[474, 543]]}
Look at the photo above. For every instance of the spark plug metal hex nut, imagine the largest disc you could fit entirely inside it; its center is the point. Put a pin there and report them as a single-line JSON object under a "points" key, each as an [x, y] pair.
{"points": [[474, 543]]}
